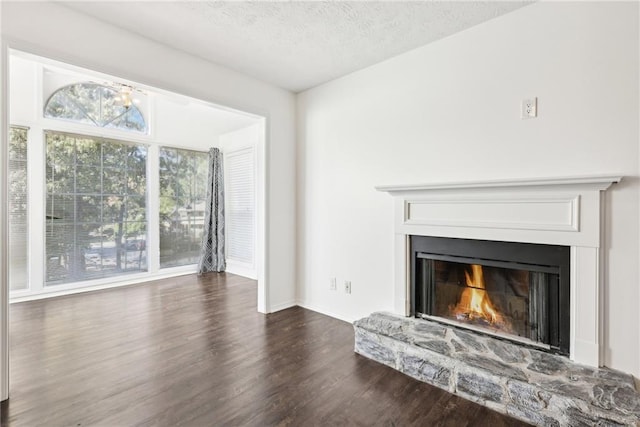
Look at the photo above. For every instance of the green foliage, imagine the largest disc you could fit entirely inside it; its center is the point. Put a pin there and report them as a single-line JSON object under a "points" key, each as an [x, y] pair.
{"points": [[94, 104], [183, 180], [18, 172]]}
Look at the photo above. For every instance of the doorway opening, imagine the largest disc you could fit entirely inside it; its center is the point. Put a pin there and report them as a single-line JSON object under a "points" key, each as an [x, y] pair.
{"points": [[101, 197]]}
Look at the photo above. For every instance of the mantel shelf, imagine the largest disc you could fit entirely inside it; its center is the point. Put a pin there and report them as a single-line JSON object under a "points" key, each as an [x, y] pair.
{"points": [[599, 182]]}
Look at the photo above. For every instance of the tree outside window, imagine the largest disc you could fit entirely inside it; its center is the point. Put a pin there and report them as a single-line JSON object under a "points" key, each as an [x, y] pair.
{"points": [[183, 180]]}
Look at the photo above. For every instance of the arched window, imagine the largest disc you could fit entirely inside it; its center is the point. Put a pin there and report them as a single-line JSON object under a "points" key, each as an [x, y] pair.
{"points": [[95, 104]]}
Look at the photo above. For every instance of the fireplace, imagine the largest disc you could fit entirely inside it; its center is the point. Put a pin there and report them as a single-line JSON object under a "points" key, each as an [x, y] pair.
{"points": [[520, 264], [515, 291], [566, 211]]}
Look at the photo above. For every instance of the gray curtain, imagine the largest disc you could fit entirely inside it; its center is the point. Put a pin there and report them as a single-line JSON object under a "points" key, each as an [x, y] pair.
{"points": [[212, 252]]}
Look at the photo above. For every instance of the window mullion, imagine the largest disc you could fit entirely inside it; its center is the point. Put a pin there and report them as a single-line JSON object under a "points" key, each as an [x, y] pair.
{"points": [[36, 169], [153, 209]]}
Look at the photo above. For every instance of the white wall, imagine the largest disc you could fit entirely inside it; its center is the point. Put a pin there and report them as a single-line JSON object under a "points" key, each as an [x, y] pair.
{"points": [[190, 125], [449, 111]]}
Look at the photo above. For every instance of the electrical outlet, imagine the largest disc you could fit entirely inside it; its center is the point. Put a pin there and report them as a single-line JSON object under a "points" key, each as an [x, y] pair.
{"points": [[347, 287], [529, 108], [333, 284]]}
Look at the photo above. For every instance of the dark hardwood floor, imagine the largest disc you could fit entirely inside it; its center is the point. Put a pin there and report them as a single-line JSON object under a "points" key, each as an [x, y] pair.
{"points": [[194, 351]]}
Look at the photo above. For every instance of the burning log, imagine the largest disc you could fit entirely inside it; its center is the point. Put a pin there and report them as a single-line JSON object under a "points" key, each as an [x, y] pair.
{"points": [[475, 306]]}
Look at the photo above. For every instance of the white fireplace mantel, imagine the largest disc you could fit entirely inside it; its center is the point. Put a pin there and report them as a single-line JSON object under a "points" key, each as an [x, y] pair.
{"points": [[557, 211]]}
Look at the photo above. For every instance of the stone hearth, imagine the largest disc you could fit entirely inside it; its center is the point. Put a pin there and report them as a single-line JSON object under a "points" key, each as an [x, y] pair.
{"points": [[534, 386]]}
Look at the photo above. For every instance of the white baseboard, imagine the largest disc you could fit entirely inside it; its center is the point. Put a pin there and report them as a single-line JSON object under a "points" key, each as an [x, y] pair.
{"points": [[129, 282], [326, 312], [282, 306], [241, 270]]}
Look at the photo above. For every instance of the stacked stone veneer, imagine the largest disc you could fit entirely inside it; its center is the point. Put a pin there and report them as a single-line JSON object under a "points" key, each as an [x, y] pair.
{"points": [[534, 386]]}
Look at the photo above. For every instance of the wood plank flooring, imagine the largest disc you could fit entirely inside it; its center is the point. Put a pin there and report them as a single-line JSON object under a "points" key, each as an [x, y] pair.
{"points": [[193, 351]]}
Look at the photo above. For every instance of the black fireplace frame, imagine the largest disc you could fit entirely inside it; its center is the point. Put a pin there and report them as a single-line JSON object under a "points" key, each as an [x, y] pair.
{"points": [[486, 252]]}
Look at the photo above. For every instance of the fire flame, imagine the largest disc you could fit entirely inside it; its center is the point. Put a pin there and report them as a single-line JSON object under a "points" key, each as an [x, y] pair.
{"points": [[475, 305]]}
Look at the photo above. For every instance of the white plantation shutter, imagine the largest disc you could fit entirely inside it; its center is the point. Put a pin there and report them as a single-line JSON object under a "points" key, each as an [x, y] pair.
{"points": [[240, 205]]}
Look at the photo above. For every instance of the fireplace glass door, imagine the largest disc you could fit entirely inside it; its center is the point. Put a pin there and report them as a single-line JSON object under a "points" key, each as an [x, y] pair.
{"points": [[503, 298], [510, 296]]}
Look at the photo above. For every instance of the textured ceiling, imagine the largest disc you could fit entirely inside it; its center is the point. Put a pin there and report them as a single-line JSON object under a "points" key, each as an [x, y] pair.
{"points": [[295, 45]]}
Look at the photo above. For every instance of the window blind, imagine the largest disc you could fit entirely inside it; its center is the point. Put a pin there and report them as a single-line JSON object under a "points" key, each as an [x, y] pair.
{"points": [[240, 205], [18, 227], [95, 208]]}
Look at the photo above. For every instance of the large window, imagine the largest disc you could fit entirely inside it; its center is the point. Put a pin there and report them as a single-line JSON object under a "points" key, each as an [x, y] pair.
{"points": [[95, 209], [183, 190], [97, 105], [18, 208], [97, 196]]}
